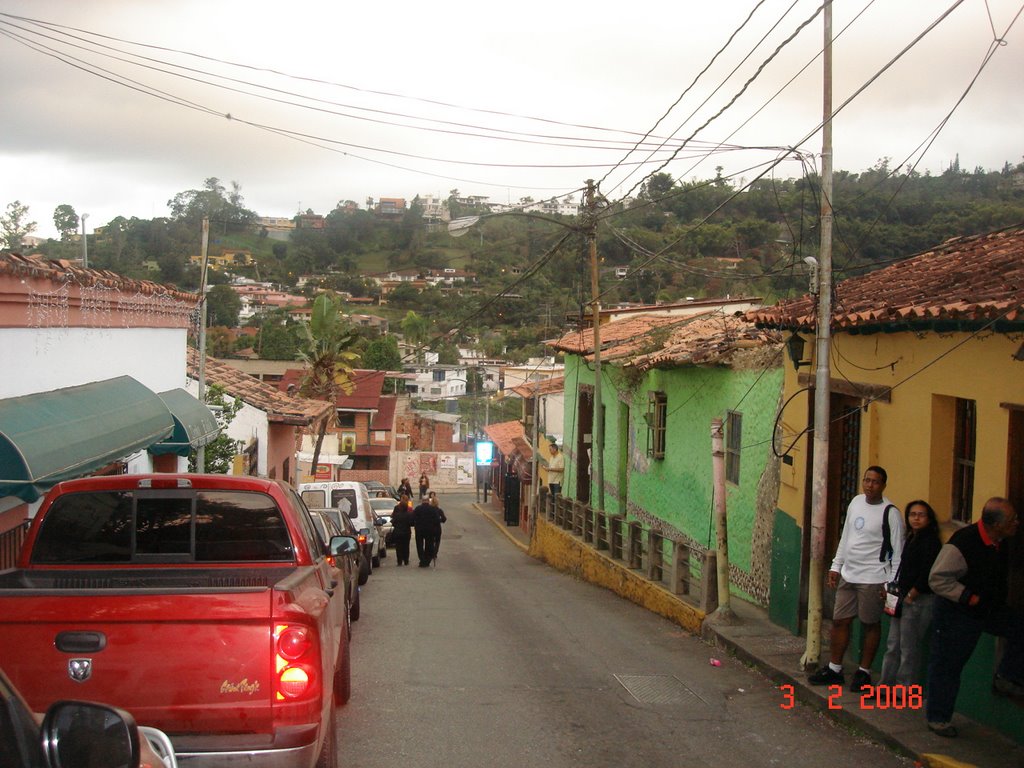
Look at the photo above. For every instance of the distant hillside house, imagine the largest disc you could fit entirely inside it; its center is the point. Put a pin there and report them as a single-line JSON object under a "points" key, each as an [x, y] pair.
{"points": [[310, 221], [276, 223], [390, 206]]}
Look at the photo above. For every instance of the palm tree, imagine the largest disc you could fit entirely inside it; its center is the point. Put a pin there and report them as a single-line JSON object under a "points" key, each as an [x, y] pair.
{"points": [[327, 354]]}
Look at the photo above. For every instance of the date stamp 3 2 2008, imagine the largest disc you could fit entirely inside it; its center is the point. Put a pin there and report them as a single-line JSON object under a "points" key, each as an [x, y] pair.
{"points": [[871, 697]]}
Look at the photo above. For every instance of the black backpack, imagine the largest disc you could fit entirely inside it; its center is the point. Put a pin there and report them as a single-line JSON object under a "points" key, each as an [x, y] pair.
{"points": [[887, 552]]}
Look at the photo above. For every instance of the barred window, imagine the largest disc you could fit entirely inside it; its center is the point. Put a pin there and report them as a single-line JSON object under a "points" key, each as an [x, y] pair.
{"points": [[733, 441], [656, 417]]}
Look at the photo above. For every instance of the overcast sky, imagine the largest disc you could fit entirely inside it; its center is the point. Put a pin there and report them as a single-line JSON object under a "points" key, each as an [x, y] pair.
{"points": [[337, 101]]}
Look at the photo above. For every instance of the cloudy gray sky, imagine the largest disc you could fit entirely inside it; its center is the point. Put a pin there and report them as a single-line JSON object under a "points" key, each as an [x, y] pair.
{"points": [[114, 106]]}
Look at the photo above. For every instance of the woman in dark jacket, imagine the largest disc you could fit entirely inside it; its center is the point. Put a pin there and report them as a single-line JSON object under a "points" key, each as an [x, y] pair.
{"points": [[405, 487], [424, 486], [906, 631], [401, 527], [427, 519]]}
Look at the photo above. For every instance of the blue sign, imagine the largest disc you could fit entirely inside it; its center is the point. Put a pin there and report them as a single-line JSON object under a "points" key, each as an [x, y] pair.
{"points": [[484, 453]]}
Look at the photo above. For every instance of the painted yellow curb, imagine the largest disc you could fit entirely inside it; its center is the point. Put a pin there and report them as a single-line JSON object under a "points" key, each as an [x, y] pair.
{"points": [[943, 761]]}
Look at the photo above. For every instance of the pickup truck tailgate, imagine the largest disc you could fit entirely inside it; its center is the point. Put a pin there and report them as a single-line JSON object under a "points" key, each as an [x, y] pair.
{"points": [[208, 669]]}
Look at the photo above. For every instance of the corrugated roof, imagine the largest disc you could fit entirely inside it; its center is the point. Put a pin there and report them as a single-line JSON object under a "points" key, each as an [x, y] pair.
{"points": [[540, 388], [504, 435], [279, 407], [965, 282]]}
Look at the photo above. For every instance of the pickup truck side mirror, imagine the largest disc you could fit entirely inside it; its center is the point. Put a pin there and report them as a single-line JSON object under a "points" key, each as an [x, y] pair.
{"points": [[79, 734], [343, 545]]}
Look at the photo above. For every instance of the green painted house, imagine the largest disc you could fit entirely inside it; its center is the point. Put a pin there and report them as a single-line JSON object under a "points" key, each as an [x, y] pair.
{"points": [[663, 379]]}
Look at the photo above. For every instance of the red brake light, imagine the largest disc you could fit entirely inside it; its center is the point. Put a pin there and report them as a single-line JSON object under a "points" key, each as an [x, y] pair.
{"points": [[295, 663], [293, 643], [361, 538]]}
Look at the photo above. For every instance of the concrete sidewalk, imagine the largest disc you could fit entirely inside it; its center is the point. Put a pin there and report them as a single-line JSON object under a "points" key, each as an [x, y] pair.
{"points": [[753, 639]]}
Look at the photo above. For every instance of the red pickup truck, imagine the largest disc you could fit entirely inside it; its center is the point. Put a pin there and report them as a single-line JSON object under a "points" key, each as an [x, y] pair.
{"points": [[204, 604]]}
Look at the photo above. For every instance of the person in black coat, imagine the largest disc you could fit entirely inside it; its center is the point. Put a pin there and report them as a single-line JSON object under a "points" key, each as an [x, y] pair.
{"points": [[427, 519], [917, 602], [405, 487], [401, 527]]}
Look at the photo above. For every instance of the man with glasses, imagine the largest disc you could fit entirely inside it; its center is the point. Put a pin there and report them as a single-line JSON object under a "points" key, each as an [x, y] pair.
{"points": [[970, 580], [866, 559]]}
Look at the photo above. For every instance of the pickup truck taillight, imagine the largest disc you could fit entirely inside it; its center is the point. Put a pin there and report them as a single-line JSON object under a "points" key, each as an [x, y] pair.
{"points": [[295, 662]]}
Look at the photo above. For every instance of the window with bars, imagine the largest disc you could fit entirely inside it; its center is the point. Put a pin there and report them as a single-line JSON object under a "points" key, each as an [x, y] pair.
{"points": [[656, 417], [963, 459], [733, 441]]}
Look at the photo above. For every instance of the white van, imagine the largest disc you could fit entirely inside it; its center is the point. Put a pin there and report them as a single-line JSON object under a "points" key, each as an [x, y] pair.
{"points": [[352, 499]]}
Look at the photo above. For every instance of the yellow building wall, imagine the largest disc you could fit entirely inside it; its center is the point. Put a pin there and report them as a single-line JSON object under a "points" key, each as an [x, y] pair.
{"points": [[911, 436]]}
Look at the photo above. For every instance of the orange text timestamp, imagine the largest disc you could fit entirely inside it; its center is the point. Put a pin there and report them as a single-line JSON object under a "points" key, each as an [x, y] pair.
{"points": [[871, 697]]}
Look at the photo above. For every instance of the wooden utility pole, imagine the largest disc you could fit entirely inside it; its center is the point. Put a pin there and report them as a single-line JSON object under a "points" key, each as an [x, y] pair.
{"points": [[822, 387], [597, 430]]}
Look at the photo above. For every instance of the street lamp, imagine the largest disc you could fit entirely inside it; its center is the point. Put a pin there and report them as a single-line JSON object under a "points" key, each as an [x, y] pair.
{"points": [[85, 243]]}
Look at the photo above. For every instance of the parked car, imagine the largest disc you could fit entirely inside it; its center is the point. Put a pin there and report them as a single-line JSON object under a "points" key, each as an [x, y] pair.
{"points": [[352, 499], [363, 565], [383, 509], [376, 488], [129, 578], [347, 566], [75, 734]]}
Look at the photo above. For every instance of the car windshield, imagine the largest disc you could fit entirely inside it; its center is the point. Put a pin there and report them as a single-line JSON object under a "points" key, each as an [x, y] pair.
{"points": [[382, 505]]}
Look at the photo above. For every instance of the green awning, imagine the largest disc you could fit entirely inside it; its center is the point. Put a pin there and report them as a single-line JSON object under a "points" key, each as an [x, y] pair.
{"points": [[194, 424], [53, 436]]}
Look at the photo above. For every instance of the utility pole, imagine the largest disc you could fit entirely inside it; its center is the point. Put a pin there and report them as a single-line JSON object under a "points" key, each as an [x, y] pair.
{"points": [[201, 451], [822, 387], [85, 243], [721, 526], [597, 437]]}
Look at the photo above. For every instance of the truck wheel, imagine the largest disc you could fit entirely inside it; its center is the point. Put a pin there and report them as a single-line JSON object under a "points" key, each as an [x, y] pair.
{"points": [[343, 678], [329, 751]]}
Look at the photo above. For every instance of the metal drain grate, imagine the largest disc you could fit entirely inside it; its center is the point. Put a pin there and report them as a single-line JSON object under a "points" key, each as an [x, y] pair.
{"points": [[657, 689]]}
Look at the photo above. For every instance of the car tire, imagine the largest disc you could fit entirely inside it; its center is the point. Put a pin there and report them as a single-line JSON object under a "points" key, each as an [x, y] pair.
{"points": [[353, 611], [343, 676], [376, 560], [329, 750], [364, 571]]}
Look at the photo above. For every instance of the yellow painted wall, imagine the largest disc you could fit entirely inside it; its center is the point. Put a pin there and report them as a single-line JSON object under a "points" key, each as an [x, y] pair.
{"points": [[911, 436]]}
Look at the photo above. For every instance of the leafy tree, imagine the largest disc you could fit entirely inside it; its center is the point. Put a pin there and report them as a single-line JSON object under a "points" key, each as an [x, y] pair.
{"points": [[15, 226], [415, 329], [382, 354], [215, 202], [326, 351], [277, 342], [65, 220], [219, 454], [223, 305]]}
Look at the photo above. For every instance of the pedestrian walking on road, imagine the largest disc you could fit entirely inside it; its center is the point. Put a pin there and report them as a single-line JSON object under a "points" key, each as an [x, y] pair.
{"points": [[867, 558], [426, 518], [424, 486], [970, 580], [405, 487], [432, 498], [401, 528], [916, 600]]}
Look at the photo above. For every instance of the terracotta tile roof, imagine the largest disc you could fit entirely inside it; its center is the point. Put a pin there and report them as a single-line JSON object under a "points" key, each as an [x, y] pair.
{"points": [[504, 435], [651, 340], [62, 271], [279, 407], [582, 341], [965, 282], [365, 397], [540, 388]]}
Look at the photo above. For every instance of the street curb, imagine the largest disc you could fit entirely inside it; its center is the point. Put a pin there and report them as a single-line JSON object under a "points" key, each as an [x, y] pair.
{"points": [[490, 517]]}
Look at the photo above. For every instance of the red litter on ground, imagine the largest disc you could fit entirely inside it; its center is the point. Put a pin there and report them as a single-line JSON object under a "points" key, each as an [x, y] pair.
{"points": [[714, 662]]}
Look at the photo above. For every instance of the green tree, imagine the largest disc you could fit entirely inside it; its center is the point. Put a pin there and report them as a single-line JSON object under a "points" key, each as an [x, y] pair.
{"points": [[218, 455], [15, 226], [223, 305], [65, 220], [415, 329], [382, 354], [326, 351]]}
